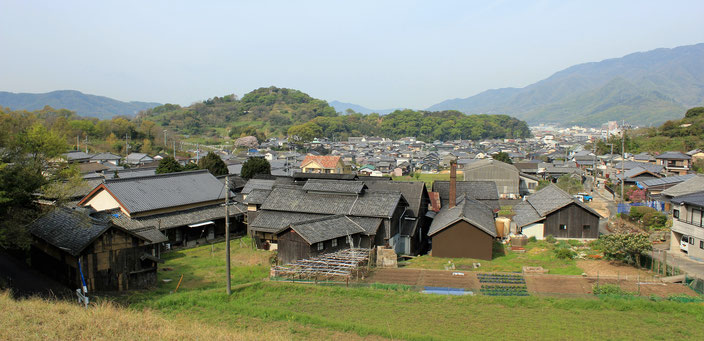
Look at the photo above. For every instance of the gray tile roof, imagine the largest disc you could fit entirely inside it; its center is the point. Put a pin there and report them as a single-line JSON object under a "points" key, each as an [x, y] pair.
{"points": [[633, 164], [105, 156], [370, 225], [686, 184], [544, 202], [258, 184], [484, 191], [274, 221], [257, 196], [71, 230], [369, 204], [181, 218], [469, 210], [326, 228], [673, 156], [696, 199], [143, 194], [413, 191], [334, 186]]}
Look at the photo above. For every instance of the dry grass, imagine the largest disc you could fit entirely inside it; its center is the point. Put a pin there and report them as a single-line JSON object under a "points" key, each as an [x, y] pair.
{"points": [[39, 319]]}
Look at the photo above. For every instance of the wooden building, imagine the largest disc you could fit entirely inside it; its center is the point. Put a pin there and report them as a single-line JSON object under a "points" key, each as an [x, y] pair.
{"points": [[552, 211], [186, 206], [466, 230], [504, 175], [322, 235], [111, 258]]}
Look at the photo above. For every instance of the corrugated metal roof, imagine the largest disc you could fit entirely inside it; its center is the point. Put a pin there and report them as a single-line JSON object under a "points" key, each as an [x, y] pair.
{"points": [[143, 194]]}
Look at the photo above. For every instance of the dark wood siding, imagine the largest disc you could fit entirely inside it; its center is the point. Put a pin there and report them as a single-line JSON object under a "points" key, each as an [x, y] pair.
{"points": [[292, 246], [462, 240], [575, 218]]}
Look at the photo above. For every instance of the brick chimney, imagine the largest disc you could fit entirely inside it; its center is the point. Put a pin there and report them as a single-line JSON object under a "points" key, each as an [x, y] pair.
{"points": [[453, 184]]}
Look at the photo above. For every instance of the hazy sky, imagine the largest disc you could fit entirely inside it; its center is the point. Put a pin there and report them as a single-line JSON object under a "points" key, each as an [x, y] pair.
{"points": [[379, 54]]}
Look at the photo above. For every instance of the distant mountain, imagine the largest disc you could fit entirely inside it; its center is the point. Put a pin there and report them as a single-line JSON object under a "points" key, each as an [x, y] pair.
{"points": [[83, 104], [643, 88], [342, 107]]}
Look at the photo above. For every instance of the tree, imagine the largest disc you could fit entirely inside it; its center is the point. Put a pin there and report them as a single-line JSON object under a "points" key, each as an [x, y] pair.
{"points": [[254, 166], [626, 247], [214, 164], [570, 184], [168, 165], [503, 157], [696, 111], [190, 166]]}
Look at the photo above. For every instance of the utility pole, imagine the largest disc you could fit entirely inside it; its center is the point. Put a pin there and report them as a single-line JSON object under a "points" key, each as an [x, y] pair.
{"points": [[165, 145], [594, 165], [227, 232], [127, 144], [623, 154], [174, 149], [78, 143], [86, 144]]}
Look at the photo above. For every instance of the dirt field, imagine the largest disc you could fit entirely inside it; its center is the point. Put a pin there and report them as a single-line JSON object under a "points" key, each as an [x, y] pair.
{"points": [[544, 285], [609, 268]]}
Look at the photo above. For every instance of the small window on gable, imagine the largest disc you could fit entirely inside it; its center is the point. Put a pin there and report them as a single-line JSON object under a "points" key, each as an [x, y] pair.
{"points": [[676, 214], [563, 227], [321, 246], [334, 243]]}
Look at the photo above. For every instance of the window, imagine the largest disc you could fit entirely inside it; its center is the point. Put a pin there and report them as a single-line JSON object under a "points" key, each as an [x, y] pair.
{"points": [[320, 246], [563, 227], [691, 240], [586, 227], [676, 214], [334, 242], [701, 244]]}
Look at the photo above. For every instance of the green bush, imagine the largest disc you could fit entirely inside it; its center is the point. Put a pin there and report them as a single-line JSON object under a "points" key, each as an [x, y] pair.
{"points": [[563, 253], [573, 242], [562, 244], [550, 239], [611, 290], [532, 239], [638, 212], [654, 220]]}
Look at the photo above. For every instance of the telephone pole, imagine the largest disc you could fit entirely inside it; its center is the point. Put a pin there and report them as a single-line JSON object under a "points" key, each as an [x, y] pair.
{"points": [[86, 144], [623, 155], [165, 145], [227, 232]]}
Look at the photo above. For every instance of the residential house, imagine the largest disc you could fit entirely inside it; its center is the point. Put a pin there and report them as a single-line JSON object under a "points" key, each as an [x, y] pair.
{"points": [[106, 159], [675, 162], [68, 243], [135, 159], [687, 231], [483, 191], [186, 206], [322, 164], [552, 211]]}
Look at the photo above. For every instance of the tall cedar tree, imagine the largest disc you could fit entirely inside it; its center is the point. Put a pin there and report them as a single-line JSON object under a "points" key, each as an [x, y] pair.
{"points": [[254, 166], [214, 164], [168, 165]]}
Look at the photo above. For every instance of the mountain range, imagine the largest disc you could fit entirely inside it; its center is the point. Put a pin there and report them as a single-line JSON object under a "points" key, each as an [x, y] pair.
{"points": [[83, 104], [644, 88], [342, 107]]}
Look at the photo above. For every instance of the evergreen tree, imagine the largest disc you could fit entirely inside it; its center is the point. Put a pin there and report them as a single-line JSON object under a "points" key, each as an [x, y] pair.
{"points": [[168, 165], [254, 166], [214, 164]]}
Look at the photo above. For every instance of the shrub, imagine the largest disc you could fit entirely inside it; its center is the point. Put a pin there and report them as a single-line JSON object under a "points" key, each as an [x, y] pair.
{"points": [[563, 253], [573, 242], [550, 239], [532, 239], [611, 290], [654, 220], [638, 212]]}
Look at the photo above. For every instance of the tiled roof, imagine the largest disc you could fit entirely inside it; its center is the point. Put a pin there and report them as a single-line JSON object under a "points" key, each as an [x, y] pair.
{"points": [[469, 210], [689, 183], [696, 199], [673, 156], [253, 184], [274, 221], [326, 228], [71, 230], [181, 218], [143, 194], [257, 196], [484, 191], [544, 202], [334, 186], [412, 191], [369, 204], [105, 156], [324, 161]]}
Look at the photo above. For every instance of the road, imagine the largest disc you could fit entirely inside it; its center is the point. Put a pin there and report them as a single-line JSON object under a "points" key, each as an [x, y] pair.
{"points": [[678, 259]]}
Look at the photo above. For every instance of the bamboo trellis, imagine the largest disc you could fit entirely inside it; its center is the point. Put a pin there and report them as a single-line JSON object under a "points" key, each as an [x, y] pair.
{"points": [[327, 266]]}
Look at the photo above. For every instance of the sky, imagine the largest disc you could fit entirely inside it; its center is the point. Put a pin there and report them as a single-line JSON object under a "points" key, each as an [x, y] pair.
{"points": [[378, 54]]}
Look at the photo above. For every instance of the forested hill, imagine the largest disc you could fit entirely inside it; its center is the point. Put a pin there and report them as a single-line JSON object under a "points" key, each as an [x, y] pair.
{"points": [[645, 87], [268, 112], [83, 104]]}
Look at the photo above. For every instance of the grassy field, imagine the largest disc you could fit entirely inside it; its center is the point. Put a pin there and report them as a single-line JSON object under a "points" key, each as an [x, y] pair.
{"points": [[537, 253], [299, 311]]}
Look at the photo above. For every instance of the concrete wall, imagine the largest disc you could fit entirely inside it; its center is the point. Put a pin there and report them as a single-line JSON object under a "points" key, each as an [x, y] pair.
{"points": [[534, 230]]}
